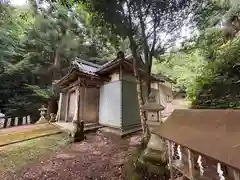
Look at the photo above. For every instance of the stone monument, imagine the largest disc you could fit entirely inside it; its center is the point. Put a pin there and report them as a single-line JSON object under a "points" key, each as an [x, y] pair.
{"points": [[28, 119], [52, 117], [43, 113], [77, 134], [156, 149], [153, 110], [2, 119], [16, 121], [24, 120]]}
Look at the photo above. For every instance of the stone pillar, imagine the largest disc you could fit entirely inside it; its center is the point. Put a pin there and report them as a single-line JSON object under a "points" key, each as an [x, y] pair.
{"points": [[58, 117], [16, 121], [24, 120], [2, 120], [28, 119], [9, 122]]}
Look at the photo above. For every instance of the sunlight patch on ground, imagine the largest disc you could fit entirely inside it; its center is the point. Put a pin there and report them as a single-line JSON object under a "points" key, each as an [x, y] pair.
{"points": [[9, 136]]}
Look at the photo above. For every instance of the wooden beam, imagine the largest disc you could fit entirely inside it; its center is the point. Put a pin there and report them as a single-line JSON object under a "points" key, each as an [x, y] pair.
{"points": [[170, 159], [72, 85]]}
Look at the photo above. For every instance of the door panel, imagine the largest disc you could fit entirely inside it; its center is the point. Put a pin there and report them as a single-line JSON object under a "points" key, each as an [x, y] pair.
{"points": [[72, 105]]}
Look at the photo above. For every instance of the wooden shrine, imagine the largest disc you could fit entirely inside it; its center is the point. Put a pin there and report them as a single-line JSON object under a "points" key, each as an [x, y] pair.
{"points": [[203, 144]]}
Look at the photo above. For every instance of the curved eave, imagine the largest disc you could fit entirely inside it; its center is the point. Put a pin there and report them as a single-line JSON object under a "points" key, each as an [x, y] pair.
{"points": [[74, 75]]}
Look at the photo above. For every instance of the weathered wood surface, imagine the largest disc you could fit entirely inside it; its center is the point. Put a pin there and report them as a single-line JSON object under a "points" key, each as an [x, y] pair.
{"points": [[205, 169], [170, 159]]}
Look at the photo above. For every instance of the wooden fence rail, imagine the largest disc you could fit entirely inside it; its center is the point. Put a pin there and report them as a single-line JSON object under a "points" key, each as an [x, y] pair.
{"points": [[9, 121]]}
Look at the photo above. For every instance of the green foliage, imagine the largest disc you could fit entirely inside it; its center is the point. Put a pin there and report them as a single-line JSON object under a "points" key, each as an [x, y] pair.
{"points": [[182, 67], [208, 66], [36, 47], [218, 86], [208, 13], [150, 26], [209, 40]]}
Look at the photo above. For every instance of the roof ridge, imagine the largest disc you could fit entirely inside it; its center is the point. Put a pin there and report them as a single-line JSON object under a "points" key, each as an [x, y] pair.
{"points": [[79, 60]]}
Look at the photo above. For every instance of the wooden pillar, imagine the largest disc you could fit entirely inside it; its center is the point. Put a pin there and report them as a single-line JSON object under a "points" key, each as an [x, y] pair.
{"points": [[67, 106], [158, 117], [170, 159], [77, 98], [190, 164], [58, 118], [83, 92], [159, 97]]}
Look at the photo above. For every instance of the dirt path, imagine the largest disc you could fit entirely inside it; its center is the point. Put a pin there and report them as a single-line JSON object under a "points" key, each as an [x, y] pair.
{"points": [[98, 158]]}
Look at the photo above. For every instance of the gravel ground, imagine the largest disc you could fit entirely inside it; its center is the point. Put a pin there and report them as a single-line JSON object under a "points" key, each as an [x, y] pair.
{"points": [[99, 157]]}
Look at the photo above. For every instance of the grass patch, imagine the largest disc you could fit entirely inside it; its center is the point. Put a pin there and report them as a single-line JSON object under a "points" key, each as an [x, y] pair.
{"points": [[30, 132], [16, 156]]}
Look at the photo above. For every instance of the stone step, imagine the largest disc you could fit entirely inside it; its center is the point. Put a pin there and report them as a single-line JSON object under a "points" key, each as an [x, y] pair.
{"points": [[92, 127], [68, 127]]}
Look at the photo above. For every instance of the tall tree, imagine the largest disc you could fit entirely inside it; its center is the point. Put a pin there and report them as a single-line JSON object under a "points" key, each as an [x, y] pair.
{"points": [[150, 26], [37, 45]]}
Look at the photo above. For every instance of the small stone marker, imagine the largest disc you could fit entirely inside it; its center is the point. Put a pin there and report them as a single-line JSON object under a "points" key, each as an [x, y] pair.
{"points": [[16, 121], [43, 113], [9, 122], [2, 120], [24, 120], [28, 119], [52, 117]]}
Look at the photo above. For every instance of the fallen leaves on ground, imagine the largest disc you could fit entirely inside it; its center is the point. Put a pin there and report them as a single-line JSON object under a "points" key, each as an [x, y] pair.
{"points": [[97, 158]]}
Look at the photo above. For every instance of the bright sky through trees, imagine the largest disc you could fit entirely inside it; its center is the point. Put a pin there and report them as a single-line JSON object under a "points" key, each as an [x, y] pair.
{"points": [[18, 2]]}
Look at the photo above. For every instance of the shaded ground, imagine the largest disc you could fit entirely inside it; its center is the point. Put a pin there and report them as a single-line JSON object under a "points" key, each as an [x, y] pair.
{"points": [[98, 158], [50, 158], [17, 156]]}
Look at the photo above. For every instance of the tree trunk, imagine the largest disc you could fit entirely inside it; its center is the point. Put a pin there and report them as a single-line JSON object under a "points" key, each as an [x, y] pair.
{"points": [[136, 59], [52, 103], [148, 74]]}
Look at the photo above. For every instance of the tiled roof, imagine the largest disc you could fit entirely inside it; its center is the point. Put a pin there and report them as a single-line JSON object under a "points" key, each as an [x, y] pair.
{"points": [[84, 67], [91, 68]]}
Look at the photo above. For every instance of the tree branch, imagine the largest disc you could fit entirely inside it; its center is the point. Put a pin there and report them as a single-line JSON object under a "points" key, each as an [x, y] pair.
{"points": [[143, 36], [154, 38]]}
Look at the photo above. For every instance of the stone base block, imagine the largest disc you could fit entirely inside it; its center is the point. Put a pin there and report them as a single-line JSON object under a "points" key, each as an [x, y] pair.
{"points": [[42, 121], [155, 151]]}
